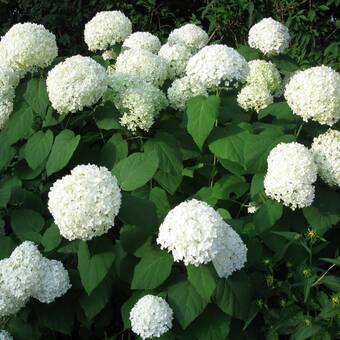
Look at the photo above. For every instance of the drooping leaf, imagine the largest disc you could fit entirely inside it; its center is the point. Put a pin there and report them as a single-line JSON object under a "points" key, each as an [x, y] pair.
{"points": [[51, 238], [63, 148], [36, 96]]}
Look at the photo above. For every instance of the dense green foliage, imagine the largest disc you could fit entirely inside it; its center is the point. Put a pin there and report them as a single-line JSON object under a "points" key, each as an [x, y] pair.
{"points": [[314, 24]]}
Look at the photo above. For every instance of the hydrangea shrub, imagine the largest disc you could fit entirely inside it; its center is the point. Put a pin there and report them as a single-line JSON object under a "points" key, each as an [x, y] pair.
{"points": [[181, 189]]}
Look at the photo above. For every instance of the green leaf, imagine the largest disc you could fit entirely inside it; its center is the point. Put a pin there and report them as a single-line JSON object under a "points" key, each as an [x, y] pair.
{"points": [[169, 182], [280, 110], [230, 184], [212, 324], [6, 155], [38, 148], [113, 151], [333, 261], [249, 53], [257, 186], [95, 302], [107, 117], [27, 224], [5, 195], [203, 280], [306, 332], [62, 150], [137, 211], [159, 197], [51, 238], [7, 246], [136, 170], [186, 303], [169, 155], [36, 96], [93, 268], [133, 238], [152, 270], [19, 125], [202, 113], [267, 215], [233, 296]]}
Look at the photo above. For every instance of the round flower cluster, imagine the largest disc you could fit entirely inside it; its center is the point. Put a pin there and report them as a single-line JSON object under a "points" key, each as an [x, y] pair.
{"points": [[85, 203], [76, 83], [151, 317], [5, 335], [142, 64], [217, 65], [177, 57], [252, 207], [290, 175], [8, 81], [182, 89], [264, 73], [315, 94], [143, 40], [196, 234], [28, 46], [106, 29], [140, 102], [26, 273], [326, 152], [190, 35], [269, 36], [254, 97]]}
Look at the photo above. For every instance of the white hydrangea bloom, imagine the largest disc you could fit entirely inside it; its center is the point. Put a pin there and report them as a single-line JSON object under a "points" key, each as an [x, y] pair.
{"points": [[190, 35], [217, 65], [151, 317], [254, 97], [9, 79], [264, 73], [140, 106], [20, 272], [196, 234], [142, 64], [108, 55], [85, 203], [76, 83], [9, 304], [182, 89], [177, 57], [28, 46], [53, 281], [290, 175], [269, 36], [326, 152], [5, 335], [120, 82], [315, 94], [143, 40], [106, 29], [6, 106], [252, 207]]}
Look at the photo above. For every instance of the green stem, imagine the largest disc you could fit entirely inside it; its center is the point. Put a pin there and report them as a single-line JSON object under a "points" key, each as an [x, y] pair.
{"points": [[299, 130]]}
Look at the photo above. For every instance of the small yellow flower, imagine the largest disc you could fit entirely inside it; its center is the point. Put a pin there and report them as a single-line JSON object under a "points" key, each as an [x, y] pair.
{"points": [[307, 272], [270, 280], [283, 302], [335, 299], [307, 322], [267, 261], [311, 234]]}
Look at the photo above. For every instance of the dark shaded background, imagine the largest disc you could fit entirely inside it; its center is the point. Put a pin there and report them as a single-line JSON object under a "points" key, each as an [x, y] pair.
{"points": [[313, 24]]}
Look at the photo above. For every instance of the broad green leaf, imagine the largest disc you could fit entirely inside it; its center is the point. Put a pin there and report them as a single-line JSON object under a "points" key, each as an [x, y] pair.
{"points": [[38, 147], [133, 238], [212, 324], [152, 270], [63, 148], [51, 238], [233, 296], [203, 280], [206, 194], [279, 110], [202, 112], [137, 211], [285, 64], [27, 224], [169, 155], [249, 53], [5, 194], [95, 302], [136, 170], [36, 96], [93, 268], [6, 155], [19, 125], [230, 184], [159, 197], [257, 187], [21, 330], [306, 332], [169, 182], [333, 261], [332, 282], [267, 215], [186, 303], [113, 151], [230, 111], [7, 246], [107, 117]]}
